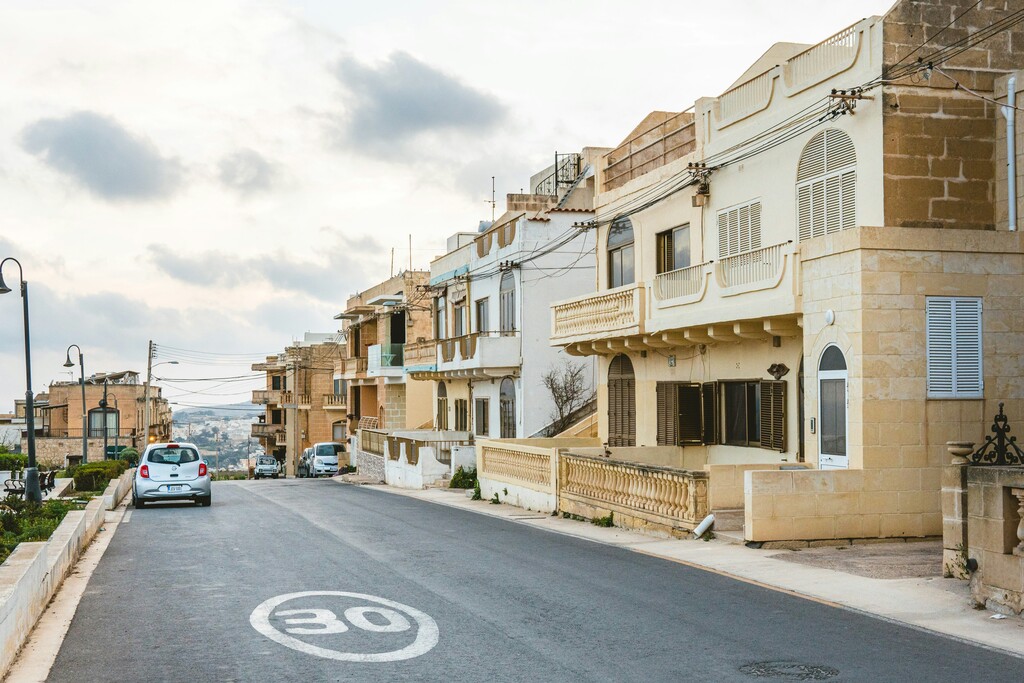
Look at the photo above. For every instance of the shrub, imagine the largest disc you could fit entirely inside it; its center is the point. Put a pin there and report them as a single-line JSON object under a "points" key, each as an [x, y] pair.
{"points": [[130, 456], [23, 522], [13, 461], [463, 479], [94, 476]]}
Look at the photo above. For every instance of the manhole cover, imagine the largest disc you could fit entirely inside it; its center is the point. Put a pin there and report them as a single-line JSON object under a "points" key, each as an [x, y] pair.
{"points": [[789, 671]]}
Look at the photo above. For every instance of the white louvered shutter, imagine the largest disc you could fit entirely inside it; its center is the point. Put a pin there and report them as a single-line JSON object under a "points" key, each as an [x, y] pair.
{"points": [[826, 190], [739, 229], [954, 347]]}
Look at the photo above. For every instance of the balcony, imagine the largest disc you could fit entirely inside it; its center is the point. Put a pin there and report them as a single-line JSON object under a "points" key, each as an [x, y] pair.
{"points": [[480, 355], [599, 317], [262, 430], [266, 396], [334, 402], [281, 438], [421, 356], [355, 367], [385, 360]]}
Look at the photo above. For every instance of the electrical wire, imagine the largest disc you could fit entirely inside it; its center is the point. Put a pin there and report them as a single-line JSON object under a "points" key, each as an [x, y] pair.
{"points": [[935, 35], [961, 86]]}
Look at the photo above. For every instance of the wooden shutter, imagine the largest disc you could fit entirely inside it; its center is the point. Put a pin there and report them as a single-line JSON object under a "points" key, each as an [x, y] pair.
{"points": [[621, 403], [773, 415], [666, 252], [667, 412], [689, 416], [709, 412]]}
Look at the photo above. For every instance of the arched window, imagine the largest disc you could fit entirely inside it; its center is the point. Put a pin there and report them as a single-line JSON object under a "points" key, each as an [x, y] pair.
{"points": [[826, 185], [442, 406], [621, 402], [507, 302], [507, 408], [832, 376], [620, 253]]}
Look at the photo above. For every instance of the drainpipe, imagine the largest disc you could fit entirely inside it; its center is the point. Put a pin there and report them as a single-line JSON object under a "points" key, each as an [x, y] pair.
{"points": [[1011, 151]]}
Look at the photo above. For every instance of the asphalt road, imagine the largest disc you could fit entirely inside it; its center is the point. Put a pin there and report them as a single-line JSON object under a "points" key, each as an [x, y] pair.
{"points": [[481, 599]]}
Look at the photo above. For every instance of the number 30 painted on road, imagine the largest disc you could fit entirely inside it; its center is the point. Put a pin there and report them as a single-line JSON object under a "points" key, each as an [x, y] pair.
{"points": [[316, 621]]}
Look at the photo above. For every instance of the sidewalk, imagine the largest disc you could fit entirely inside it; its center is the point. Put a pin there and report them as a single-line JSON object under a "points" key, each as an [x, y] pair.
{"points": [[930, 603]]}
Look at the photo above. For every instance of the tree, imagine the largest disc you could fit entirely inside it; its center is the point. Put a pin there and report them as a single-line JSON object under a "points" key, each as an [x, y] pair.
{"points": [[567, 385]]}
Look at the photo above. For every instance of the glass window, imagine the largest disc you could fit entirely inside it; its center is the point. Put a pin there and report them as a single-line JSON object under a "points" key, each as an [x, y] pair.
{"points": [[461, 415], [459, 314], [440, 328], [674, 249], [742, 413], [482, 416], [507, 302], [100, 419], [172, 456], [482, 309], [620, 253], [833, 416]]}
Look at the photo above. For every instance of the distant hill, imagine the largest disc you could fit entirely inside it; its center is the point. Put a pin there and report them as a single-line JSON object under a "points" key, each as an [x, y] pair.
{"points": [[231, 410]]}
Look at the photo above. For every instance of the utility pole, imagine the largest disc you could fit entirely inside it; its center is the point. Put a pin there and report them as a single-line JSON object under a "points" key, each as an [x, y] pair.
{"points": [[106, 418], [149, 379]]}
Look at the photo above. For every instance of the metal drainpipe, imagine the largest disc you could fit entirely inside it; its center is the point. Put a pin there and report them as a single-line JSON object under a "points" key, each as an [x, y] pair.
{"points": [[1009, 113]]}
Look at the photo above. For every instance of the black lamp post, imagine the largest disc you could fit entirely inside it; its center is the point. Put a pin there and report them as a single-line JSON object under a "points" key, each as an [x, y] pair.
{"points": [[85, 412], [106, 416], [32, 492]]}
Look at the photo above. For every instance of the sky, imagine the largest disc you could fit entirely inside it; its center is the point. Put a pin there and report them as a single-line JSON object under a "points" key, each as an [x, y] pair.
{"points": [[220, 176]]}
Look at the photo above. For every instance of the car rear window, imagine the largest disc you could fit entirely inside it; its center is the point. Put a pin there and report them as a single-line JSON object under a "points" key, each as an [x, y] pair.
{"points": [[331, 449], [267, 461], [172, 456]]}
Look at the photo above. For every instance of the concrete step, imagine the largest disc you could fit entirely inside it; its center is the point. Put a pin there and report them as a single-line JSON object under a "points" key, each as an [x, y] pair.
{"points": [[735, 537], [728, 520]]}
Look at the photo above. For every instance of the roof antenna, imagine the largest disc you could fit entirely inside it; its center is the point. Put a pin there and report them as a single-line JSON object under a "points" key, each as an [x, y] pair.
{"points": [[493, 202]]}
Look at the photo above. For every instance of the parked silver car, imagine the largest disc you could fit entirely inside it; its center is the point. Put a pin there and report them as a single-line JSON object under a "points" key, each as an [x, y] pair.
{"points": [[171, 471], [324, 460], [266, 466]]}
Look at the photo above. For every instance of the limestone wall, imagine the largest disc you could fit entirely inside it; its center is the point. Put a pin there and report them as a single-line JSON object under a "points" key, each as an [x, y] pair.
{"points": [[50, 451], [995, 498]]}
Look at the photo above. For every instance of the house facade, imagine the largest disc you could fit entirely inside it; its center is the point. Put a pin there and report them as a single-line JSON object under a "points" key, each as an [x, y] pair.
{"points": [[808, 285], [491, 296], [302, 399]]}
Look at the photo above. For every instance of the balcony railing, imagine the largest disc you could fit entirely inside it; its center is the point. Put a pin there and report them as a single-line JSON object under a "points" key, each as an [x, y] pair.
{"points": [[755, 267], [682, 282], [280, 439], [383, 357], [516, 464], [442, 448], [600, 315], [372, 441], [828, 57], [266, 396], [670, 497], [334, 401], [260, 429], [421, 353]]}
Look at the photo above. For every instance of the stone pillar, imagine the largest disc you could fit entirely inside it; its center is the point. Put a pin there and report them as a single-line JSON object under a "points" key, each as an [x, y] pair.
{"points": [[1019, 494], [954, 512]]}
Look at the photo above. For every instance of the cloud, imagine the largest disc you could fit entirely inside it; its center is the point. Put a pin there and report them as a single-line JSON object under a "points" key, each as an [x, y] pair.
{"points": [[248, 172], [347, 262], [103, 157], [402, 99]]}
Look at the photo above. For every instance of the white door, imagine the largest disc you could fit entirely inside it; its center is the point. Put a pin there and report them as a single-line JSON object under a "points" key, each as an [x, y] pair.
{"points": [[833, 401]]}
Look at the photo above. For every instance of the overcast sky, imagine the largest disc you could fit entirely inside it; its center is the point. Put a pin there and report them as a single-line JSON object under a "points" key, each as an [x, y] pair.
{"points": [[221, 175]]}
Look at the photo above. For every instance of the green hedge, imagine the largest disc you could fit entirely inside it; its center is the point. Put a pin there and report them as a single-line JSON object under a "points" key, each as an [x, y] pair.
{"points": [[94, 476], [22, 522], [13, 461]]}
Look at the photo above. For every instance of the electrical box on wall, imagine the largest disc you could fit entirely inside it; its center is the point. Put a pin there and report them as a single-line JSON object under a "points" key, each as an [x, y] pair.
{"points": [[671, 361]]}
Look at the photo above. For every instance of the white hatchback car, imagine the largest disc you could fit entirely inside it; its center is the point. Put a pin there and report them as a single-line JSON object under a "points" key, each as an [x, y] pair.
{"points": [[171, 471]]}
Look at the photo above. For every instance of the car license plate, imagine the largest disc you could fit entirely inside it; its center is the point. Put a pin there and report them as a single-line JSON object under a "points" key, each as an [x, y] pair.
{"points": [[175, 487]]}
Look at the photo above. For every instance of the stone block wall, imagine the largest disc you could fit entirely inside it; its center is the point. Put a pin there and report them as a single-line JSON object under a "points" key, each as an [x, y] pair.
{"points": [[50, 451], [940, 142], [995, 497], [370, 465], [394, 407]]}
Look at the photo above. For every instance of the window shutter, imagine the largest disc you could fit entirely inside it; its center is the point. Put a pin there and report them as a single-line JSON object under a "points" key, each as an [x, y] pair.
{"points": [[826, 192], [849, 210], [709, 412], [803, 211], [755, 225], [629, 411], [689, 415], [773, 415], [667, 252], [939, 331], [967, 372], [833, 204], [666, 392]]}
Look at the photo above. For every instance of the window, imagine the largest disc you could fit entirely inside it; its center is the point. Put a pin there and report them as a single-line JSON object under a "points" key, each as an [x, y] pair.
{"points": [[620, 253], [507, 302], [340, 387], [742, 413], [442, 406], [440, 328], [674, 249], [100, 419], [482, 322], [684, 416], [461, 415], [826, 185], [482, 416], [739, 229], [275, 382], [459, 315], [754, 413], [507, 409], [953, 327]]}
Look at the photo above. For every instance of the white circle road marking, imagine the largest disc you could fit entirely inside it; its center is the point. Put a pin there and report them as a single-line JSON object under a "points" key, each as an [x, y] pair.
{"points": [[426, 637]]}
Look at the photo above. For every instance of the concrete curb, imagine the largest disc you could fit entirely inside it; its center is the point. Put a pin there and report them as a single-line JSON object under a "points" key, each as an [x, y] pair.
{"points": [[30, 577]]}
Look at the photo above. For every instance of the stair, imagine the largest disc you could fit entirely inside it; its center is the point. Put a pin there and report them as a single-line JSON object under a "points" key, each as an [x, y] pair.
{"points": [[730, 519]]}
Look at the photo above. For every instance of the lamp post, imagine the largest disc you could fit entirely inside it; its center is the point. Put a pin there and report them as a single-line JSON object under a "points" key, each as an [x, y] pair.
{"points": [[106, 417], [85, 413], [32, 492]]}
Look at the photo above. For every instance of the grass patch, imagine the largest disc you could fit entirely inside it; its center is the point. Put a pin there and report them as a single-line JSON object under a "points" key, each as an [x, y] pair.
{"points": [[227, 476], [463, 479], [607, 521]]}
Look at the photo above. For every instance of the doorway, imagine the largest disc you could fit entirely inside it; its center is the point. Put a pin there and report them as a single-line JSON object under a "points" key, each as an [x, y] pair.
{"points": [[833, 401]]}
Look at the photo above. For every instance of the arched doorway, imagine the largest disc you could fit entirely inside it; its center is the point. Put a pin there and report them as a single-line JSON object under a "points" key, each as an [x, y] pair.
{"points": [[832, 404], [621, 402]]}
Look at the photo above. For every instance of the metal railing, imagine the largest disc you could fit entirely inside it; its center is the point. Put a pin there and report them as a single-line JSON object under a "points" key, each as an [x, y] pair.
{"points": [[567, 169]]}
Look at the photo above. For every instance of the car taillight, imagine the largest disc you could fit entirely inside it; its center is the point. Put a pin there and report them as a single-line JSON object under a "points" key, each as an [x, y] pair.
{"points": [[202, 469], [144, 471]]}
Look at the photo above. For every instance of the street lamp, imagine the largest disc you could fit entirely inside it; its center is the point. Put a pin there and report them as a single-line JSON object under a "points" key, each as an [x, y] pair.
{"points": [[32, 492], [85, 416]]}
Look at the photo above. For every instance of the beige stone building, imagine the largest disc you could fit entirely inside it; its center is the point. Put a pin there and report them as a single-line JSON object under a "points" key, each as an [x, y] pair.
{"points": [[304, 404], [59, 432], [381, 321], [805, 287]]}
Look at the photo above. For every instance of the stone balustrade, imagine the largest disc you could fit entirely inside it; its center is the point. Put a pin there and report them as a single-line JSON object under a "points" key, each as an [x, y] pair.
{"points": [[638, 495], [517, 465], [602, 315], [754, 269]]}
